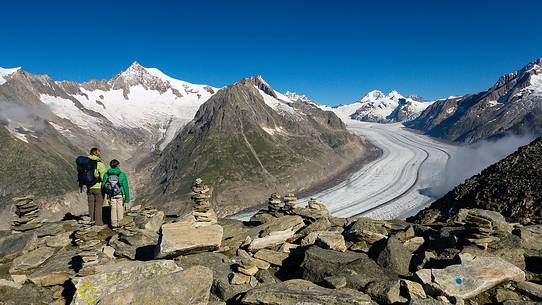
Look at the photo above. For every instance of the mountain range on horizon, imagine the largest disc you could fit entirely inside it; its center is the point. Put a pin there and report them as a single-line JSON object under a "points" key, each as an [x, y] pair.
{"points": [[149, 119]]}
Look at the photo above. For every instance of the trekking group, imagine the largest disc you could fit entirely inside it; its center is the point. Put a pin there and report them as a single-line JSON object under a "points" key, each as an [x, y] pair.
{"points": [[104, 187]]}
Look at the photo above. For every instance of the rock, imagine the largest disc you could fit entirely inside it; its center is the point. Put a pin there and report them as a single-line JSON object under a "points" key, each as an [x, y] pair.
{"points": [[531, 289], [239, 279], [325, 239], [413, 290], [184, 237], [140, 244], [220, 265], [406, 234], [272, 257], [288, 222], [191, 287], [322, 224], [27, 294], [56, 270], [118, 276], [387, 292], [59, 241], [481, 219], [502, 294], [334, 282], [274, 238], [428, 301], [473, 276], [108, 251], [365, 229], [414, 244], [30, 260], [514, 302], [12, 245], [295, 292], [358, 269], [151, 223], [395, 257], [531, 237]]}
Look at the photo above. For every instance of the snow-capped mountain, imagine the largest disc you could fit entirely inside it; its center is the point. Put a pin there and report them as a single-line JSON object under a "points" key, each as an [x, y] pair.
{"points": [[513, 103], [379, 107]]}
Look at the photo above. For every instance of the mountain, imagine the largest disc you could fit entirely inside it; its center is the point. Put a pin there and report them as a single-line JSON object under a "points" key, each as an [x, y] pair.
{"points": [[379, 107], [510, 187], [250, 140], [512, 104], [46, 123]]}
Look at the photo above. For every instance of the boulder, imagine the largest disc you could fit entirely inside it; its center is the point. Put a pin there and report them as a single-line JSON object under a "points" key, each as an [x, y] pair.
{"points": [[473, 276], [531, 237], [59, 241], [531, 289], [274, 238], [56, 270], [322, 224], [191, 287], [185, 237], [413, 290], [151, 223], [358, 269], [387, 292], [284, 223], [140, 244], [27, 294], [220, 265], [12, 245], [30, 260], [116, 277], [334, 282], [395, 257], [325, 239], [273, 257], [366, 229], [414, 243], [295, 292]]}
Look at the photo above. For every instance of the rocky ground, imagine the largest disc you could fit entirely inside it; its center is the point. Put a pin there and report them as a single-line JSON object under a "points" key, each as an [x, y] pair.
{"points": [[285, 255]]}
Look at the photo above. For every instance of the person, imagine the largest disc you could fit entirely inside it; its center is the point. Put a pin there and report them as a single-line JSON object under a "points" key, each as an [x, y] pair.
{"points": [[94, 192], [115, 186]]}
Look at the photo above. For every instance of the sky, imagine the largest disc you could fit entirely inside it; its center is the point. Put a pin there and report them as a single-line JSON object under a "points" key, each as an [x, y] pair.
{"points": [[332, 51]]}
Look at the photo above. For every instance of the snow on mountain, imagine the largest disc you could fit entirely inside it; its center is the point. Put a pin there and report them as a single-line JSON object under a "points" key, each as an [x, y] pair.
{"points": [[5, 72], [138, 97], [379, 107]]}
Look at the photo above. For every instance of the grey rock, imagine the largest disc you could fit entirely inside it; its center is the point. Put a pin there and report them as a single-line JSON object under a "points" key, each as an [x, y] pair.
{"points": [[387, 292], [531, 288], [273, 257], [13, 244], [141, 244], [116, 277], [395, 257], [334, 282], [56, 270], [295, 292], [186, 237], [30, 260], [191, 287]]}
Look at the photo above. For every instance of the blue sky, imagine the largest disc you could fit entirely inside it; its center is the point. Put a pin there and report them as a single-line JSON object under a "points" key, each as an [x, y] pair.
{"points": [[333, 51]]}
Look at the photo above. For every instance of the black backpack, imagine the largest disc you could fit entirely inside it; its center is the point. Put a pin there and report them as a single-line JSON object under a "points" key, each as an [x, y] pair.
{"points": [[112, 186], [85, 172]]}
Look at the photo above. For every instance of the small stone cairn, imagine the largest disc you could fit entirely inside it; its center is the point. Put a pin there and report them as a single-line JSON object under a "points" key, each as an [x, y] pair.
{"points": [[27, 214], [480, 229], [290, 203], [245, 268], [89, 240], [273, 204], [201, 195]]}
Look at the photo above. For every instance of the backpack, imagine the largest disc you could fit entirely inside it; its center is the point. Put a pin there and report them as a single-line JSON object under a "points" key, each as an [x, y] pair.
{"points": [[112, 186], [85, 172]]}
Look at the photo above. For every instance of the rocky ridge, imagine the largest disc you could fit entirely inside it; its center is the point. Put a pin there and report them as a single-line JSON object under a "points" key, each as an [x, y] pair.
{"points": [[286, 254]]}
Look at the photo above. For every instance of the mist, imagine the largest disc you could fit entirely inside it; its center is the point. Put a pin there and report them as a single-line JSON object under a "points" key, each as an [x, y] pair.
{"points": [[470, 160], [16, 116]]}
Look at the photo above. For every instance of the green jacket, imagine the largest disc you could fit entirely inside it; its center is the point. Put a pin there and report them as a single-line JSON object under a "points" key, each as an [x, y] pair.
{"points": [[99, 172], [122, 180]]}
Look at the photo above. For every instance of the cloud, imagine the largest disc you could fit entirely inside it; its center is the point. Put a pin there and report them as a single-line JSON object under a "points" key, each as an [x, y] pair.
{"points": [[15, 116], [470, 160]]}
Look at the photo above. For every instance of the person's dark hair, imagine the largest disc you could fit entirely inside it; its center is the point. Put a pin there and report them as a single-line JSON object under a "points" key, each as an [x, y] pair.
{"points": [[93, 151], [114, 163]]}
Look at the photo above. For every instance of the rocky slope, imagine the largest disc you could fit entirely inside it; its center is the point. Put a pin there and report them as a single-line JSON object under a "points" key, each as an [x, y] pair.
{"points": [[248, 139], [512, 104], [379, 107], [510, 186], [285, 255]]}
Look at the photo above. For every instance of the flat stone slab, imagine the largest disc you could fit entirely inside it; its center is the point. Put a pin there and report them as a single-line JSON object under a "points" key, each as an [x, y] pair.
{"points": [[473, 276], [115, 277], [30, 260], [187, 237]]}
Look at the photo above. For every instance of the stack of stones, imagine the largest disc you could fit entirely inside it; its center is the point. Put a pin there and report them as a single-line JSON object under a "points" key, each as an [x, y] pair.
{"points": [[89, 245], [479, 229], [245, 268], [274, 203], [26, 215], [316, 205], [201, 195], [290, 203]]}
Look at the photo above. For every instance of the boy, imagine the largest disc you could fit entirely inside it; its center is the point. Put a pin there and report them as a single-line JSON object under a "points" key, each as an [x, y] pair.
{"points": [[115, 186]]}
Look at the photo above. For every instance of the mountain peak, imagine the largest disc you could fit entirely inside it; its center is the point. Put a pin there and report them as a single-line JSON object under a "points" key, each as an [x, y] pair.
{"points": [[259, 83], [5, 72]]}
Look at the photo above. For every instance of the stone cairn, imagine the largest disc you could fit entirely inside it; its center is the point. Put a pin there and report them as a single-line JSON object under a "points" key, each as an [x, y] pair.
{"points": [[27, 215], [89, 241], [273, 204], [245, 268], [479, 228], [290, 203], [201, 195]]}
